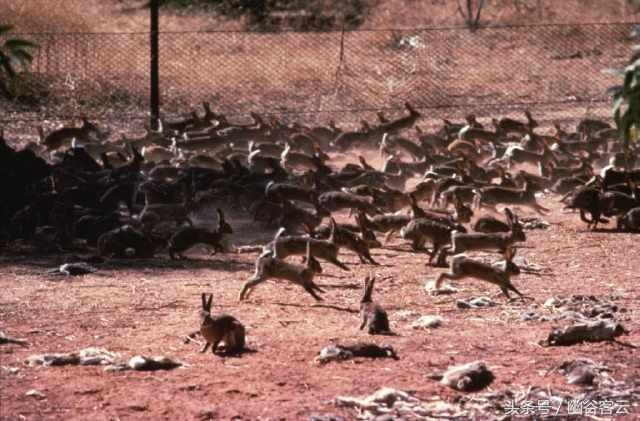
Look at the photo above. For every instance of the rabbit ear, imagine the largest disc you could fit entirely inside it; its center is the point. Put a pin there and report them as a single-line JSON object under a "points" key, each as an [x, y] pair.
{"points": [[209, 302], [220, 215], [332, 235], [308, 254], [372, 280], [509, 214], [204, 301], [365, 288], [368, 288]]}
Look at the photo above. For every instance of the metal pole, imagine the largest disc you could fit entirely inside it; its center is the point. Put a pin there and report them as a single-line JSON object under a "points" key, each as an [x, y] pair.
{"points": [[154, 71]]}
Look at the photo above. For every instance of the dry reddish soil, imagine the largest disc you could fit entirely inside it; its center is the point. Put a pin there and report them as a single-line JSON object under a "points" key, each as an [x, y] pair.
{"points": [[146, 307]]}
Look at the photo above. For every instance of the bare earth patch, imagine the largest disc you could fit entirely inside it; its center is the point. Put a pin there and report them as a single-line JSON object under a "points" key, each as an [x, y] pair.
{"points": [[147, 307]]}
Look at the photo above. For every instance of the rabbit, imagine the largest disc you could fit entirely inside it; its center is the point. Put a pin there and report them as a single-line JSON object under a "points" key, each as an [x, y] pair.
{"points": [[461, 267], [117, 242], [63, 136], [188, 236], [270, 266], [348, 239], [419, 230], [297, 245], [491, 196], [490, 225], [502, 242], [388, 223], [339, 200], [374, 317], [630, 221], [220, 328]]}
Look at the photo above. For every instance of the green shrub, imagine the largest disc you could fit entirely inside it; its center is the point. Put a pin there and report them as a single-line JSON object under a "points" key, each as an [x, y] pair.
{"points": [[626, 97]]}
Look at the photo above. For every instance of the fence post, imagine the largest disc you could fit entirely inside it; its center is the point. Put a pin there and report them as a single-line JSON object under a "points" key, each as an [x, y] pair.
{"points": [[154, 71]]}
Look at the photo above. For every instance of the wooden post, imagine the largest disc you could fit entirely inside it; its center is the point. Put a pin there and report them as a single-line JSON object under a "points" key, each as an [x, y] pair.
{"points": [[154, 70]]}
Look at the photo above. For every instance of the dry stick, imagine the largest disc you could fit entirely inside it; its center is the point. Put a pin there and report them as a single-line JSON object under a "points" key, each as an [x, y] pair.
{"points": [[338, 74]]}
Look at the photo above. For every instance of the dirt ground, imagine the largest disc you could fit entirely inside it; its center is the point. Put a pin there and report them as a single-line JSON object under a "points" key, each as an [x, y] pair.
{"points": [[146, 307]]}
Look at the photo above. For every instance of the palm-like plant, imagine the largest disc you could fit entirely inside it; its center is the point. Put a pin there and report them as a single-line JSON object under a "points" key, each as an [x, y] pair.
{"points": [[15, 55], [626, 97]]}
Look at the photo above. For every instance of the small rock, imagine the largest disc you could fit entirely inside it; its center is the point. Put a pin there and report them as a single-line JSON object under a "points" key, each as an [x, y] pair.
{"points": [[427, 322], [35, 394]]}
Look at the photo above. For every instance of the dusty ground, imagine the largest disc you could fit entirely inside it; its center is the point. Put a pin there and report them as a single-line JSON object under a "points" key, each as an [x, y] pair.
{"points": [[146, 307]]}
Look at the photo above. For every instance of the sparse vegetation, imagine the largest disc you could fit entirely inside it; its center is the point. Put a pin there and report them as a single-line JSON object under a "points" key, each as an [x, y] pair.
{"points": [[32, 16], [15, 58], [626, 108], [471, 12], [275, 15]]}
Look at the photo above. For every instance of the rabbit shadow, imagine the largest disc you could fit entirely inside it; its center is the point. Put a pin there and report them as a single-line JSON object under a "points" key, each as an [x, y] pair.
{"points": [[319, 305], [342, 286], [167, 264], [233, 353]]}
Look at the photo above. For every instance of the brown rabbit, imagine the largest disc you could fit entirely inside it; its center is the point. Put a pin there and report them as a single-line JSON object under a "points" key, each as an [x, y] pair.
{"points": [[372, 314], [461, 267], [501, 242], [64, 136], [220, 328], [187, 237], [271, 266]]}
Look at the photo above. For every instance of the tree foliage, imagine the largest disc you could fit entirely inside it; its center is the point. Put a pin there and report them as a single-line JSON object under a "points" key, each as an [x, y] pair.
{"points": [[273, 15], [470, 12], [626, 98], [15, 57]]}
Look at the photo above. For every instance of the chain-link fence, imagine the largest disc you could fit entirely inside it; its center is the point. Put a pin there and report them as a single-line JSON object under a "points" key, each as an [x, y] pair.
{"points": [[315, 74]]}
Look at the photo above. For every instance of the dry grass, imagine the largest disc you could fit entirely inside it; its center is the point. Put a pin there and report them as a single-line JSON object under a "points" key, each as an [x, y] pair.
{"points": [[129, 16], [46, 15], [421, 13]]}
